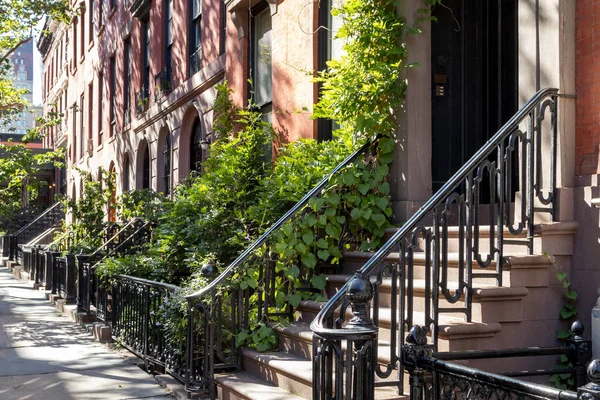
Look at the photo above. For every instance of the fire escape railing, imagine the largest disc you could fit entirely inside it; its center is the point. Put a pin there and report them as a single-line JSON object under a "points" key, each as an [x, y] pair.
{"points": [[208, 348], [523, 153]]}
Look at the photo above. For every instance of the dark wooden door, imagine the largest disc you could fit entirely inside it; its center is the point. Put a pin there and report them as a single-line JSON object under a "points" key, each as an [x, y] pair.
{"points": [[474, 78]]}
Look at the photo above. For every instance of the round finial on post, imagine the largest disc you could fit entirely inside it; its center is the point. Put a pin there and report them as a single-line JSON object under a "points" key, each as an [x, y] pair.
{"points": [[360, 293], [593, 371], [577, 328], [209, 269]]}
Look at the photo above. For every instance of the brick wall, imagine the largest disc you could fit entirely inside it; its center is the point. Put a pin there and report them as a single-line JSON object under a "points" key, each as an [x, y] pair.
{"points": [[588, 87]]}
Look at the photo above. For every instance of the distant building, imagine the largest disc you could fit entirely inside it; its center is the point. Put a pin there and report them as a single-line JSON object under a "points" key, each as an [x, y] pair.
{"points": [[22, 62]]}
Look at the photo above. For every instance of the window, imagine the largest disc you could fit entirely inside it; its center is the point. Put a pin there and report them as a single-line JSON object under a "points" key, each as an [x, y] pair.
{"points": [[195, 39], [113, 97], [91, 22], [74, 145], [146, 169], [82, 134], [74, 65], [82, 33], [167, 164], [329, 48], [146, 56], [223, 39], [126, 173], [196, 147], [90, 116], [127, 82], [168, 36], [261, 60], [100, 107]]}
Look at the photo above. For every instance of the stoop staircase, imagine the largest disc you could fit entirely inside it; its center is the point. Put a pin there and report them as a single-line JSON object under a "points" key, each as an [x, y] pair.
{"points": [[472, 274], [501, 317]]}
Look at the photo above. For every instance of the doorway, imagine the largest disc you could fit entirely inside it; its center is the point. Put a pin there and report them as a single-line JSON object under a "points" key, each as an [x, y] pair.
{"points": [[474, 78]]}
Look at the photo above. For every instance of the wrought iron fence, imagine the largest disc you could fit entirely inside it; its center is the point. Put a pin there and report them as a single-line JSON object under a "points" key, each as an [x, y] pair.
{"points": [[220, 308], [433, 377], [516, 154], [130, 238], [163, 84], [142, 101], [137, 313]]}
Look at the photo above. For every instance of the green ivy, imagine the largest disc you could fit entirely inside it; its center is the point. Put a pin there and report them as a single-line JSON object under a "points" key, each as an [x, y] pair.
{"points": [[568, 312]]}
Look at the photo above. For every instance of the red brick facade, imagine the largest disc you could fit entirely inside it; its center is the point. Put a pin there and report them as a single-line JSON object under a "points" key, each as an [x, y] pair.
{"points": [[588, 87]]}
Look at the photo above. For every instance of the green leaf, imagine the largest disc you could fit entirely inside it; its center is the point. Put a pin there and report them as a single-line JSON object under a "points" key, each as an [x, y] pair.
{"points": [[554, 378], [301, 247], [564, 358], [561, 276], [251, 282], [563, 334], [382, 202], [386, 145], [295, 299], [356, 213], [349, 178], [384, 188], [295, 271], [571, 294], [318, 203], [566, 314], [309, 260], [323, 254], [322, 243], [311, 220], [241, 337], [308, 237], [340, 219], [319, 281], [363, 188], [280, 247]]}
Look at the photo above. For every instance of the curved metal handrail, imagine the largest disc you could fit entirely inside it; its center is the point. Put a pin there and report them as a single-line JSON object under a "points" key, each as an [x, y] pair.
{"points": [[38, 218], [318, 324], [286, 217], [116, 235]]}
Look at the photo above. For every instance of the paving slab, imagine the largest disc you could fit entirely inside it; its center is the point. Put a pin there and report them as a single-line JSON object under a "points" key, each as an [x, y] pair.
{"points": [[110, 383], [44, 355]]}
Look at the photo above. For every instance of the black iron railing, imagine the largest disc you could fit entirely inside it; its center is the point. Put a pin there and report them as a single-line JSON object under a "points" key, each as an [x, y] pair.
{"points": [[523, 152], [137, 314], [128, 239], [142, 101], [163, 84], [196, 61], [50, 217], [432, 377], [208, 348]]}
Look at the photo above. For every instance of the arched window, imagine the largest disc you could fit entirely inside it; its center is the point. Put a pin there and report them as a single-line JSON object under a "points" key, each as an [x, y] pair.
{"points": [[146, 169], [167, 164], [126, 173], [196, 147]]}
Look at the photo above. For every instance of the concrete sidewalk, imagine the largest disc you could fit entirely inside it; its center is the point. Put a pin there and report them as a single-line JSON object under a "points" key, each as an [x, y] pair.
{"points": [[43, 355]]}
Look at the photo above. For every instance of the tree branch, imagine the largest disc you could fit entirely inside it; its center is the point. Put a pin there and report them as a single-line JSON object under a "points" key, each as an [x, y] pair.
{"points": [[15, 47]]}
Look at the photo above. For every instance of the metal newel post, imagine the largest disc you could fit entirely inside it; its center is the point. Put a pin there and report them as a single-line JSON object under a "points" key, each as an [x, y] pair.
{"points": [[71, 272], [415, 349], [360, 294], [591, 391], [581, 352]]}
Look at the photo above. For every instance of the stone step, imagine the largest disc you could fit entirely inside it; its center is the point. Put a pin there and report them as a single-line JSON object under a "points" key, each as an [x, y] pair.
{"points": [[243, 386], [291, 373], [517, 270], [451, 326], [489, 303], [548, 237]]}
